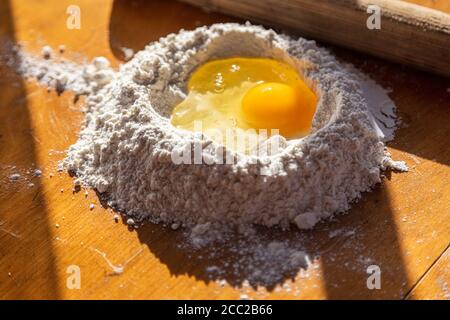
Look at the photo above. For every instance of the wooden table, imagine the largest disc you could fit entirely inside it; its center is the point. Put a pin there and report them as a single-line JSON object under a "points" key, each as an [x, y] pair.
{"points": [[402, 226]]}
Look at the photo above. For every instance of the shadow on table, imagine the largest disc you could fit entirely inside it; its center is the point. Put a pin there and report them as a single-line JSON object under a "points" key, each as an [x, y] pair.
{"points": [[24, 230], [423, 105], [134, 24], [346, 247]]}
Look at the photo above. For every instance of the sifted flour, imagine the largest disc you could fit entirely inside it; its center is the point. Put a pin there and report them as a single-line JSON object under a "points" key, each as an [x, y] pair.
{"points": [[126, 148]]}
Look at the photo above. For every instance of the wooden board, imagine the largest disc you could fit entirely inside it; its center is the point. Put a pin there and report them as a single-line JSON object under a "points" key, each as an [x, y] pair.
{"points": [[402, 226], [434, 283]]}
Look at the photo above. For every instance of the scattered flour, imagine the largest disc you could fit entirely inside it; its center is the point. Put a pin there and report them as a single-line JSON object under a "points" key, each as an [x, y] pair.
{"points": [[62, 74], [128, 53], [14, 177]]}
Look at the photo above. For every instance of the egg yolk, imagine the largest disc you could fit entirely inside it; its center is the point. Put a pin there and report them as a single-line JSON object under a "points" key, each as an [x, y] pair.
{"points": [[274, 105], [244, 95]]}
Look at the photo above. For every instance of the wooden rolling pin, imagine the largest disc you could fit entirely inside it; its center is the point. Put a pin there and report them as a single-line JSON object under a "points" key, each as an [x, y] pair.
{"points": [[409, 33]]}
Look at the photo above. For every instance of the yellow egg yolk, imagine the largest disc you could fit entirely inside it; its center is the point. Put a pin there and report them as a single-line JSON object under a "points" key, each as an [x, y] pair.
{"points": [[246, 95], [272, 105]]}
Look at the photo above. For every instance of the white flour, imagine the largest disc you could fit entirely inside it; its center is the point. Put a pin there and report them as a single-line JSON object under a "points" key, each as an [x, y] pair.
{"points": [[124, 150], [62, 74]]}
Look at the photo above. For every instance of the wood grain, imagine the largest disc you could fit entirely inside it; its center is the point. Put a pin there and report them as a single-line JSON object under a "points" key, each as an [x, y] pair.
{"points": [[408, 34], [434, 285], [402, 226]]}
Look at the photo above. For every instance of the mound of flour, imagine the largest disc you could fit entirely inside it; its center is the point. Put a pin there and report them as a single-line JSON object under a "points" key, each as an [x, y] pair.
{"points": [[126, 147]]}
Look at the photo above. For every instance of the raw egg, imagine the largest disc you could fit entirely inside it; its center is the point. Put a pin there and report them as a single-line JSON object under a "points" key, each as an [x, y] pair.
{"points": [[246, 96]]}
